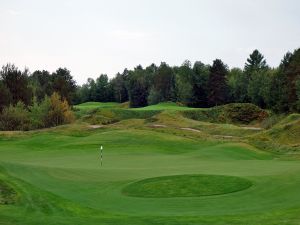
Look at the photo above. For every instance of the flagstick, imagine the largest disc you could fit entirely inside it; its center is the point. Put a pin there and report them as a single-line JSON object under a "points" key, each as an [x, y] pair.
{"points": [[101, 157]]}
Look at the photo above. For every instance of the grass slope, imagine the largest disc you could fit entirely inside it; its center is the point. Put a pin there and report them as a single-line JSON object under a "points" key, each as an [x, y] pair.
{"points": [[57, 178], [283, 137]]}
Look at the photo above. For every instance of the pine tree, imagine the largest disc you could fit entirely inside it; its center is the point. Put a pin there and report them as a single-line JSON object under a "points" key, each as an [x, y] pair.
{"points": [[291, 70], [217, 83], [255, 63]]}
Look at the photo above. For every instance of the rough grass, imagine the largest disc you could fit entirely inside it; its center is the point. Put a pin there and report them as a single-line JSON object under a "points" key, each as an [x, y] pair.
{"points": [[240, 113], [186, 186], [284, 136], [7, 193], [88, 107], [108, 116]]}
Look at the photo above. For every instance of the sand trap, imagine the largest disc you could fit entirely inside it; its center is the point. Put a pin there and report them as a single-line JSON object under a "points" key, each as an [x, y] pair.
{"points": [[252, 128], [95, 126], [158, 125], [224, 136], [190, 129]]}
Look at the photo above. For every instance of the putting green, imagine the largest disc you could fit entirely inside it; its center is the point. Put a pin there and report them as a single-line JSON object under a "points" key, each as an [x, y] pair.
{"points": [[186, 186]]}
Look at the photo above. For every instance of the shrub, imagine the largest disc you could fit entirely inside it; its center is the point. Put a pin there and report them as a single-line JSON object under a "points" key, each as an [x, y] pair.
{"points": [[60, 112], [15, 117], [244, 112], [39, 113], [50, 112]]}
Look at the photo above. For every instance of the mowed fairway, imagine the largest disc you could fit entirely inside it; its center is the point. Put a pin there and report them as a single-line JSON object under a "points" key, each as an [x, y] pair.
{"points": [[58, 179]]}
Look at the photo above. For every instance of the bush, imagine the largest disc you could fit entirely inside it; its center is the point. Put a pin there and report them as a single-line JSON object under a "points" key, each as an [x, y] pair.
{"points": [[244, 113], [39, 113], [15, 117], [60, 112], [50, 112]]}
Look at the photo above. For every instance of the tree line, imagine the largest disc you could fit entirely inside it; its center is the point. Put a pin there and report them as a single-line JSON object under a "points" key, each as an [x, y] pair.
{"points": [[37, 100], [201, 85], [197, 85]]}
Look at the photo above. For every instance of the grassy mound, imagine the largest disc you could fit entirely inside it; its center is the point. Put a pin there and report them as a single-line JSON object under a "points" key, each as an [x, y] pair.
{"points": [[108, 116], [294, 117], [285, 132], [81, 110], [243, 113], [7, 194], [186, 186]]}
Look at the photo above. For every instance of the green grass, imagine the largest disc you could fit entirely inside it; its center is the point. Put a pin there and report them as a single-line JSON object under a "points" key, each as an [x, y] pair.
{"points": [[56, 177], [164, 106], [186, 186], [94, 105], [87, 107], [7, 193], [108, 116]]}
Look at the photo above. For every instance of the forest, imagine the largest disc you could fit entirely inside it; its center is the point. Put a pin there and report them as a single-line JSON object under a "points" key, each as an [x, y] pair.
{"points": [[43, 99]]}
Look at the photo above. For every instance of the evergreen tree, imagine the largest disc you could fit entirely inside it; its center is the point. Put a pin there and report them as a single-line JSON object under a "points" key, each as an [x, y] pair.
{"points": [[199, 85], [64, 84], [102, 88], [137, 87], [255, 70], [255, 63], [5, 96], [291, 70], [163, 85], [279, 89], [217, 83]]}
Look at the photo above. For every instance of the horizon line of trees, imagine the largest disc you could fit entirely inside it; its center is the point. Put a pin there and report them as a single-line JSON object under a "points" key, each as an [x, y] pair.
{"points": [[197, 85], [201, 85]]}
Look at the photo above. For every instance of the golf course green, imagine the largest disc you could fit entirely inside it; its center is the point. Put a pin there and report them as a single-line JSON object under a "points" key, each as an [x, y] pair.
{"points": [[186, 186], [163, 169]]}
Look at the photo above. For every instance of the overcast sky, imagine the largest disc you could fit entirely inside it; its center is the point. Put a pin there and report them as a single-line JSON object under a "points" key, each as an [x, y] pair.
{"points": [[93, 37]]}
